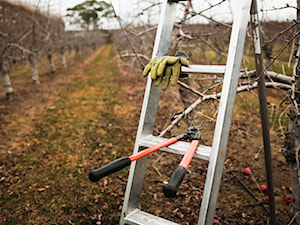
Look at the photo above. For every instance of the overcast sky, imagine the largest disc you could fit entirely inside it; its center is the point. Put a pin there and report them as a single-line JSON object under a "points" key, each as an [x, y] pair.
{"points": [[129, 9]]}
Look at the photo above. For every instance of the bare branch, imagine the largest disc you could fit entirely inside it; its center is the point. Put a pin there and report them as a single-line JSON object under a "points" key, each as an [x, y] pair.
{"points": [[275, 76], [282, 49], [132, 55], [216, 96], [127, 38], [281, 33], [4, 34], [193, 14], [24, 36], [12, 45]]}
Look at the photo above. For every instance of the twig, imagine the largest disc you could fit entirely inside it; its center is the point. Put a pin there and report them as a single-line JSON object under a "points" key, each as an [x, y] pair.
{"points": [[212, 47], [280, 124], [206, 116], [127, 38], [189, 88], [131, 55], [294, 217], [143, 10], [209, 18], [258, 152], [154, 164], [251, 193], [281, 33], [24, 36], [281, 50], [146, 31]]}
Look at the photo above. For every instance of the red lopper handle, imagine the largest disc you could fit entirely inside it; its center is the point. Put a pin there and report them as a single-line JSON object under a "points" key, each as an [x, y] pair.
{"points": [[170, 189], [121, 163]]}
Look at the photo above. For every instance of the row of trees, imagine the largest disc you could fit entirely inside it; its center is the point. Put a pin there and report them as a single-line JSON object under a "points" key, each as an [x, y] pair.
{"points": [[29, 35]]}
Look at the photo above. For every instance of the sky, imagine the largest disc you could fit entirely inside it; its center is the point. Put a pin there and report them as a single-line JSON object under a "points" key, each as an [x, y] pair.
{"points": [[129, 9], [59, 7]]}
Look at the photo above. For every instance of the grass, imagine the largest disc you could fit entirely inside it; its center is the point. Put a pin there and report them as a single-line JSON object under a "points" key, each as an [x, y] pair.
{"points": [[47, 182]]}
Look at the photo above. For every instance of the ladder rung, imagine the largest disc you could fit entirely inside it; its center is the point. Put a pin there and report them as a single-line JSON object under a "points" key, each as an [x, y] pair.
{"points": [[203, 69], [139, 217], [180, 147]]}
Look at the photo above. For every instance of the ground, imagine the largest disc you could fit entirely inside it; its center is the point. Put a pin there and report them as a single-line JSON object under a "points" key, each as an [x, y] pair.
{"points": [[85, 116]]}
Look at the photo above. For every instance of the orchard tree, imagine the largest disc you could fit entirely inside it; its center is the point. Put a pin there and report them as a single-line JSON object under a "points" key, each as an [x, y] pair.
{"points": [[90, 13], [293, 133]]}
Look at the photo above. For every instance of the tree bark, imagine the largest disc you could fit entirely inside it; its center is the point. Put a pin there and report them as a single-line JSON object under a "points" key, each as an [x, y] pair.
{"points": [[77, 52], [70, 50], [292, 142], [6, 81], [63, 57], [34, 70], [51, 63]]}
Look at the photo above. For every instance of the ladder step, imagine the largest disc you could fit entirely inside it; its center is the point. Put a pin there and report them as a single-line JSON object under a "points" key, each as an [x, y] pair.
{"points": [[204, 69], [139, 217], [180, 147]]}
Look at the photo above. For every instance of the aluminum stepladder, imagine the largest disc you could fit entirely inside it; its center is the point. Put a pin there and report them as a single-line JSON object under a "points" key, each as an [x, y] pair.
{"points": [[214, 154]]}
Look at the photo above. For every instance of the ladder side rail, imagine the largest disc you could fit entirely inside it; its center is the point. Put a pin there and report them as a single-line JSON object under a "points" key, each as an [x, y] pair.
{"points": [[149, 110], [216, 163]]}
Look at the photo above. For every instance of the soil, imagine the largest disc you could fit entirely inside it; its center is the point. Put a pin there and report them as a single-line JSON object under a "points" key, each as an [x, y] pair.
{"points": [[85, 116]]}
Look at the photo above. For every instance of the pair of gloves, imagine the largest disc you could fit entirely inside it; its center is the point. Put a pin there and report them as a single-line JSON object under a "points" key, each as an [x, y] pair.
{"points": [[166, 69]]}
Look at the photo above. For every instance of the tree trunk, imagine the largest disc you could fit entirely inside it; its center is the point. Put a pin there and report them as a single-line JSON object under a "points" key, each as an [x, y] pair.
{"points": [[34, 70], [293, 145], [77, 52], [292, 142], [6, 81], [70, 50], [63, 57], [51, 63]]}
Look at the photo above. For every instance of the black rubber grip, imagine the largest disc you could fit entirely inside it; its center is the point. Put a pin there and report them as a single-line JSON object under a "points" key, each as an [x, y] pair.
{"points": [[170, 189], [109, 168]]}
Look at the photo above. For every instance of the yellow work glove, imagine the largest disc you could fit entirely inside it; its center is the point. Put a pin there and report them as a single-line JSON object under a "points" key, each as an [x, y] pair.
{"points": [[166, 70]]}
